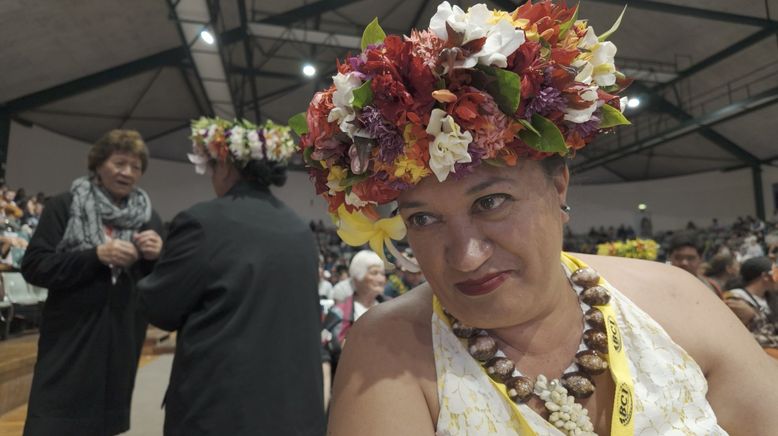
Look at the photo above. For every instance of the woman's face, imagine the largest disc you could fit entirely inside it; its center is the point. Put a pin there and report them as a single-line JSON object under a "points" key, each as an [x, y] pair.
{"points": [[489, 243], [373, 282], [119, 174]]}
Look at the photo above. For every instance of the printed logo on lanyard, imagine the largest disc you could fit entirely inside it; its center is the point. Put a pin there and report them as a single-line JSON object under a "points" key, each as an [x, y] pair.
{"points": [[625, 403]]}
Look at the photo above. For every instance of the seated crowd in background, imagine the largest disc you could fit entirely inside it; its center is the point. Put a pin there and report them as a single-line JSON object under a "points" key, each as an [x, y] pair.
{"points": [[19, 215]]}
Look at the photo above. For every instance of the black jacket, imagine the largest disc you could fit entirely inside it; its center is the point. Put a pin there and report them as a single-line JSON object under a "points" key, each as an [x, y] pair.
{"points": [[91, 334], [238, 279]]}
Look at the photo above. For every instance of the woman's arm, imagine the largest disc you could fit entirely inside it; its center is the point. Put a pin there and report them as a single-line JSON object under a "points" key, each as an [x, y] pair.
{"points": [[378, 384]]}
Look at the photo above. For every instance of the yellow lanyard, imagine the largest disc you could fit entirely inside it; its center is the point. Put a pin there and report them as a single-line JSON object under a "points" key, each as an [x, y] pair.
{"points": [[622, 422]]}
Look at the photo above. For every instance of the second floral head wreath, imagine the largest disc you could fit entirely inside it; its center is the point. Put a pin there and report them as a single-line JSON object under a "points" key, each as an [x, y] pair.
{"points": [[239, 142], [481, 86]]}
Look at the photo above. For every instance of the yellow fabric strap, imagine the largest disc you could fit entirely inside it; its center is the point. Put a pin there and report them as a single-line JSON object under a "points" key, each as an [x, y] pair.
{"points": [[523, 426], [622, 421]]}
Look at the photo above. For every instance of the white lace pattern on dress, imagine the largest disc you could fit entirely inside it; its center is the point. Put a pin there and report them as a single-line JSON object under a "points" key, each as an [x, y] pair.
{"points": [[669, 386]]}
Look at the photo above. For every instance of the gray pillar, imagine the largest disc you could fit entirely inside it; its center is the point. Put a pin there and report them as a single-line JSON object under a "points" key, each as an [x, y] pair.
{"points": [[5, 139], [756, 173]]}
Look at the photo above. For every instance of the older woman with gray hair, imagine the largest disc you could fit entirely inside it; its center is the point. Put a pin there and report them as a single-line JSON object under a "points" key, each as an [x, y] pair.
{"points": [[90, 249], [362, 290]]}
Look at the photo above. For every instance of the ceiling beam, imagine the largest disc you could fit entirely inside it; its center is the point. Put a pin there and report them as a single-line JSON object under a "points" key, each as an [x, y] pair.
{"points": [[306, 11], [719, 56], [172, 57], [249, 53], [728, 112], [691, 12], [663, 105]]}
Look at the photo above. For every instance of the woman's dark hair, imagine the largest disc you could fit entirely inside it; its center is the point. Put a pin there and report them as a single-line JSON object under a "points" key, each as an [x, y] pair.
{"points": [[552, 164], [265, 173], [128, 141]]}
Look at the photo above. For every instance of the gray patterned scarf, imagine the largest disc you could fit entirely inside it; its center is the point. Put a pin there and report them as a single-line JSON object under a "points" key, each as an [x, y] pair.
{"points": [[92, 208]]}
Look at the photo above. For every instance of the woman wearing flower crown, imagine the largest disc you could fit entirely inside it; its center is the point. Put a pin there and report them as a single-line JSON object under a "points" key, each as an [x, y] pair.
{"points": [[238, 280], [453, 137]]}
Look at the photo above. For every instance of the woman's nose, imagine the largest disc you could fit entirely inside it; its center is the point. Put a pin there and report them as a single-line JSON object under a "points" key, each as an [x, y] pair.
{"points": [[467, 248]]}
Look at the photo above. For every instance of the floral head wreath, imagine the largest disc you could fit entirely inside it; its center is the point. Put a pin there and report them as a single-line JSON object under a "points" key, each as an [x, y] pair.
{"points": [[239, 142], [482, 86]]}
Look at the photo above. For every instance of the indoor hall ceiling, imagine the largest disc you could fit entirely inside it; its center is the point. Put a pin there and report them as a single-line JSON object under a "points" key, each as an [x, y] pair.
{"points": [[707, 69]]}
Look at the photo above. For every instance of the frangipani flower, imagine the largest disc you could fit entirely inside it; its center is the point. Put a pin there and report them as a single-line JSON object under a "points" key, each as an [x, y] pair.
{"points": [[449, 146], [597, 60], [255, 145], [353, 199], [501, 37], [343, 113], [582, 104], [237, 141]]}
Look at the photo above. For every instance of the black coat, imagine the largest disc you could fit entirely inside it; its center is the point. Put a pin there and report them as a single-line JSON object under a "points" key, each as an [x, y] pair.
{"points": [[238, 279], [91, 334]]}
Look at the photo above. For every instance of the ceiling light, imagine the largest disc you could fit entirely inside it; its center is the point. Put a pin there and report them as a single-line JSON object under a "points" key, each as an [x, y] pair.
{"points": [[309, 70], [642, 206], [633, 102], [207, 37]]}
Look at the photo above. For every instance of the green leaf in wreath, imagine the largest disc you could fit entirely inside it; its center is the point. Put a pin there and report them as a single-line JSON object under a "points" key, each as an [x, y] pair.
{"points": [[550, 139], [505, 88], [299, 123], [309, 160], [614, 28], [363, 95], [373, 34], [564, 27], [528, 125], [612, 117]]}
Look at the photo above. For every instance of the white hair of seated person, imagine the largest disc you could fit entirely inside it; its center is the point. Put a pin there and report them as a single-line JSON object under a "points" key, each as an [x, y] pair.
{"points": [[361, 262], [357, 270]]}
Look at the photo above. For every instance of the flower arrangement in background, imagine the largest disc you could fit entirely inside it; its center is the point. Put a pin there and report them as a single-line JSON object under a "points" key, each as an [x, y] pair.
{"points": [[239, 142], [633, 248], [478, 86]]}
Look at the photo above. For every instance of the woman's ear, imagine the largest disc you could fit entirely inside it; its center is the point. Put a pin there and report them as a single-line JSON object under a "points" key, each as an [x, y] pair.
{"points": [[561, 180]]}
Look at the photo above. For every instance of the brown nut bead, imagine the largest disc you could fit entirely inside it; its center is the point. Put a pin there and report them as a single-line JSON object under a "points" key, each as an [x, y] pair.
{"points": [[578, 384], [482, 347], [499, 368], [596, 296], [595, 319], [519, 388], [585, 277], [591, 362], [596, 340], [463, 331]]}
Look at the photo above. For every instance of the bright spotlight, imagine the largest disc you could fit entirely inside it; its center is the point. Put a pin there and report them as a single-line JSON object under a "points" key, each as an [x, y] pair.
{"points": [[642, 206], [207, 37], [309, 70], [633, 102]]}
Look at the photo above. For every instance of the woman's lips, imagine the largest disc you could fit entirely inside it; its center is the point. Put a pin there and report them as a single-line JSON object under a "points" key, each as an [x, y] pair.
{"points": [[483, 285]]}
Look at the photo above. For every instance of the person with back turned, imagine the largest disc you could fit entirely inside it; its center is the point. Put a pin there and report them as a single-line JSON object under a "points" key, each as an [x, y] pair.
{"points": [[238, 281]]}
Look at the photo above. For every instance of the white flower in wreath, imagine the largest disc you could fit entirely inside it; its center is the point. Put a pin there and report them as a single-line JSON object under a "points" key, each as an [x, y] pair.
{"points": [[583, 115], [502, 38], [596, 63], [449, 146], [343, 113], [254, 144], [237, 143]]}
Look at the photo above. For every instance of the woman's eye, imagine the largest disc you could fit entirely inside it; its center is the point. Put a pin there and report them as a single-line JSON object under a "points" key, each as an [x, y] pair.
{"points": [[421, 220], [490, 202]]}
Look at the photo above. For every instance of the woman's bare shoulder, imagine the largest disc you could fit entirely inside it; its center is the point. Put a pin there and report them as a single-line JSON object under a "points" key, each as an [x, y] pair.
{"points": [[387, 370]]}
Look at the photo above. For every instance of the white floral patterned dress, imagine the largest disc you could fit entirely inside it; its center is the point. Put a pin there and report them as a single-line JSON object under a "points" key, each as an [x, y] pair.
{"points": [[669, 386]]}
